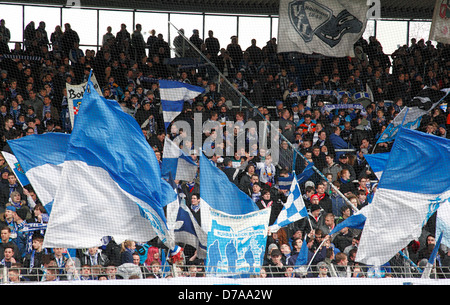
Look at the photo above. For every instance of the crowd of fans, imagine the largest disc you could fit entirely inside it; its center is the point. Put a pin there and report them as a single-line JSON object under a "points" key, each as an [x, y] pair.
{"points": [[33, 100]]}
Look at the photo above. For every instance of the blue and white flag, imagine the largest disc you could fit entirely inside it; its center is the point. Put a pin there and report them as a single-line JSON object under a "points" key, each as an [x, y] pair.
{"points": [[173, 95], [237, 243], [41, 158], [377, 162], [218, 192], [327, 27], [431, 261], [414, 184], [188, 231], [302, 258], [284, 183], [177, 163], [411, 115], [110, 183], [294, 209], [16, 167], [306, 174], [355, 221]]}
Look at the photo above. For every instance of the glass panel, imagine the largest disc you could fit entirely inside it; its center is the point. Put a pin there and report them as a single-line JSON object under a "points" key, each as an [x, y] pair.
{"points": [[50, 15], [370, 29], [275, 21], [419, 30], [12, 14], [223, 28], [114, 19], [153, 21], [188, 22], [260, 31], [84, 22], [391, 34]]}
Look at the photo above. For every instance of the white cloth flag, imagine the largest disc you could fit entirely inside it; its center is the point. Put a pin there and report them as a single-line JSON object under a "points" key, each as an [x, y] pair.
{"points": [[440, 25], [110, 183], [327, 27], [414, 184]]}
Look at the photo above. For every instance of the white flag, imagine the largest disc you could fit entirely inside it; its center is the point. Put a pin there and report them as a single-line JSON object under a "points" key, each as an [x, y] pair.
{"points": [[440, 25], [327, 27]]}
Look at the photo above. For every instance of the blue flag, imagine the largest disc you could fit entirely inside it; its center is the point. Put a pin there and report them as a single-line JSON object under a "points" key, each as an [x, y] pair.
{"points": [[41, 158], [307, 172], [377, 162], [218, 192], [16, 167], [302, 258]]}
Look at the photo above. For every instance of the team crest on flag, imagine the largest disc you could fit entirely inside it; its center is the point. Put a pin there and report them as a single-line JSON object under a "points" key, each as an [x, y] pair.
{"points": [[307, 17], [327, 27], [310, 18]]}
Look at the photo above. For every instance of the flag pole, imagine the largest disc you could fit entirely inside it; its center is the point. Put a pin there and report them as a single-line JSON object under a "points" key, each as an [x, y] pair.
{"points": [[315, 253]]}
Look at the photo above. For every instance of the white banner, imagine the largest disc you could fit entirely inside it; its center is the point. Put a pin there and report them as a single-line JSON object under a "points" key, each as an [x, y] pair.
{"points": [[440, 25], [236, 243], [327, 27], [75, 95]]}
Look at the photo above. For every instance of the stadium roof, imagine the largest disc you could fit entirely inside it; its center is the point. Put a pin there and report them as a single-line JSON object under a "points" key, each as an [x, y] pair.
{"points": [[400, 9]]}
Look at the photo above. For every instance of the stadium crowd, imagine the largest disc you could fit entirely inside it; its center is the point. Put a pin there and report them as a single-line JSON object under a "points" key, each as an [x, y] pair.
{"points": [[33, 100]]}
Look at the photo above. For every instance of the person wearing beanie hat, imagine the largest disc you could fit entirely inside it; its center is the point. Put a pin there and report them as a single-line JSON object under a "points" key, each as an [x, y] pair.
{"points": [[275, 265], [315, 215]]}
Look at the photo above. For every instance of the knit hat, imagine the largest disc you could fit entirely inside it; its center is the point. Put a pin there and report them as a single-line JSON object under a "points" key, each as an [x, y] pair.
{"points": [[315, 207], [315, 196]]}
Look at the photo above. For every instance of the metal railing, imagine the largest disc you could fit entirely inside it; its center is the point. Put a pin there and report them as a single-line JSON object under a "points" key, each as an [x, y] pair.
{"points": [[98, 273]]}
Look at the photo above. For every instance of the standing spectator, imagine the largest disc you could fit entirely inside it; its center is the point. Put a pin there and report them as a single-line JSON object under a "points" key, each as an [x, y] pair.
{"points": [[212, 44], [5, 32], [196, 40], [107, 36], [235, 52], [69, 39], [123, 37], [137, 43]]}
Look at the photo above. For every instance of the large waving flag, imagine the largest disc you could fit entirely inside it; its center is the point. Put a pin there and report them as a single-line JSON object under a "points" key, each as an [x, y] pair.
{"points": [[218, 192], [327, 27], [377, 162], [173, 95], [293, 210], [41, 158], [16, 167], [411, 115], [414, 184], [177, 163], [110, 183]]}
